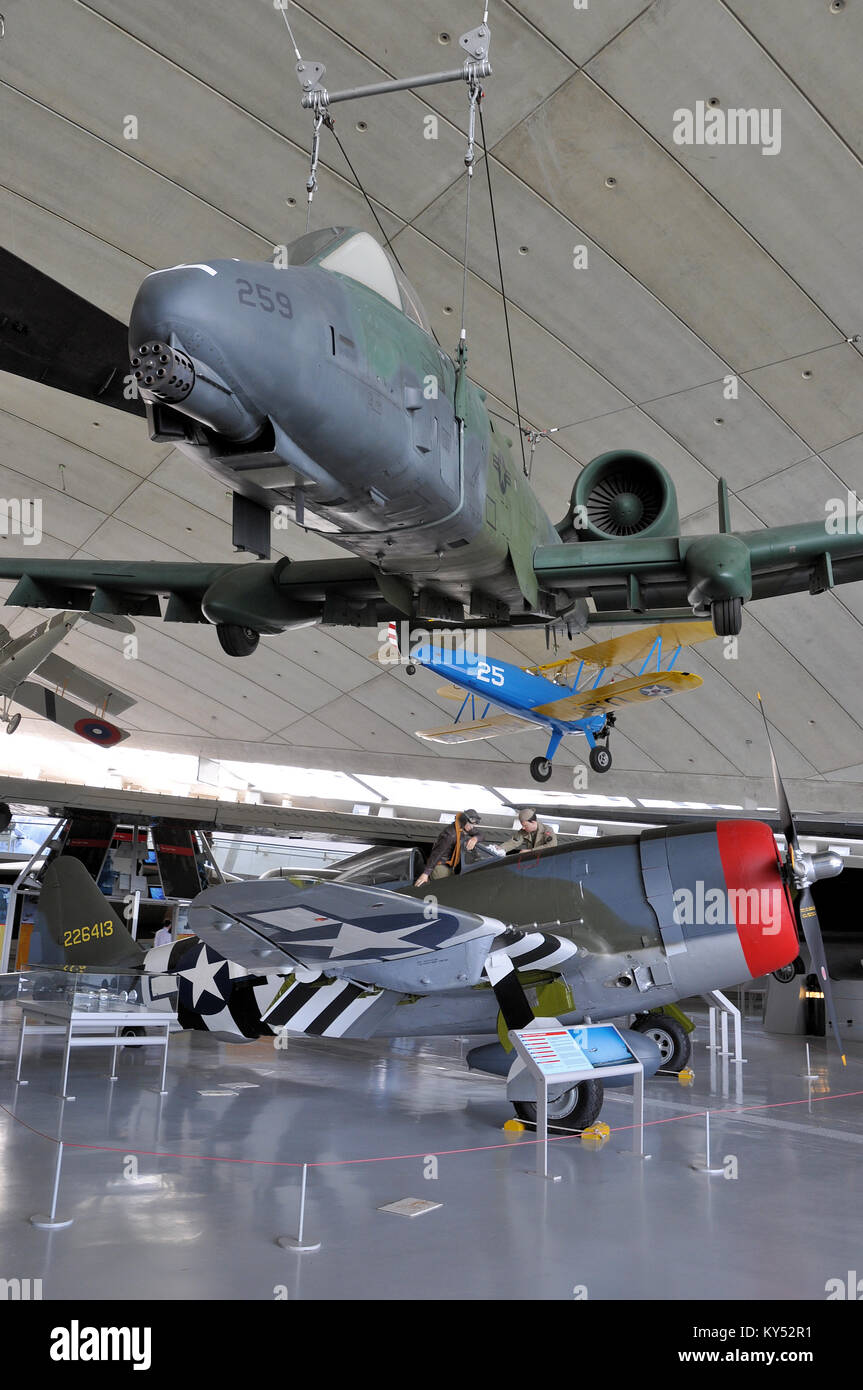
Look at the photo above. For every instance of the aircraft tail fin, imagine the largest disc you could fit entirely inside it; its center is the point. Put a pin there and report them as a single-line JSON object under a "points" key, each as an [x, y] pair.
{"points": [[81, 921]]}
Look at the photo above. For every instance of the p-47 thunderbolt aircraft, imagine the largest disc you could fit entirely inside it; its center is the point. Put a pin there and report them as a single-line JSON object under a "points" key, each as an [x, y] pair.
{"points": [[584, 932], [33, 653], [317, 386], [553, 697]]}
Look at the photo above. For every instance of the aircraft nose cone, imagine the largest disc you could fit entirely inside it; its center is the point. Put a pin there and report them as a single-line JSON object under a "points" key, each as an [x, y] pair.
{"points": [[169, 301], [759, 904]]}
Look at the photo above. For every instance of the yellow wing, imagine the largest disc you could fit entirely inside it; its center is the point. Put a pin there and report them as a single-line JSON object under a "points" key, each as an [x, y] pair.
{"points": [[454, 692], [633, 646], [632, 691], [470, 730]]}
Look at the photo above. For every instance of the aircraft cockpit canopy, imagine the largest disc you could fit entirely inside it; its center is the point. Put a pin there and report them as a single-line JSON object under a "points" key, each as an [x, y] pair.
{"points": [[356, 254]]}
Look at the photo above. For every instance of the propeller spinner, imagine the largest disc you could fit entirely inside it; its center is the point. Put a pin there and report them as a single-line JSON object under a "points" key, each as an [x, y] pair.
{"points": [[802, 870]]}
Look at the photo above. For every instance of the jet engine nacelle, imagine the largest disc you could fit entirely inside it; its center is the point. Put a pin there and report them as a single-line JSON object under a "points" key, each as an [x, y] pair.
{"points": [[621, 493]]}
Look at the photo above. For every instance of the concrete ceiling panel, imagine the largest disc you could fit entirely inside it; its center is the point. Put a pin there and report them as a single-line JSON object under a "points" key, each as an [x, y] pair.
{"points": [[684, 51], [825, 407], [659, 223]]}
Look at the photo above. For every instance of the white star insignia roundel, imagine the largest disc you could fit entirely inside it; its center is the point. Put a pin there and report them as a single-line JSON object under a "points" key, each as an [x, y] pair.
{"points": [[200, 979]]}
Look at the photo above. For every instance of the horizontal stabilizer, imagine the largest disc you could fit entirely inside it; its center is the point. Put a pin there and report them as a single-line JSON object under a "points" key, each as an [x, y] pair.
{"points": [[470, 730], [635, 690], [93, 691], [68, 715]]}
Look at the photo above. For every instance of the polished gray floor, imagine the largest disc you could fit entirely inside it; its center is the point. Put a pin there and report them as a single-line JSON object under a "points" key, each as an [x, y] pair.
{"points": [[160, 1213]]}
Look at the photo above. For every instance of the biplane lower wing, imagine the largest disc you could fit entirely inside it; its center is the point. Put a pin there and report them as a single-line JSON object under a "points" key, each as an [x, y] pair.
{"points": [[607, 698], [492, 727]]}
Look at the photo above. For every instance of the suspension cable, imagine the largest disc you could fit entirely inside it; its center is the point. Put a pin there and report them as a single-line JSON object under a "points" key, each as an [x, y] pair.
{"points": [[503, 292], [284, 9]]}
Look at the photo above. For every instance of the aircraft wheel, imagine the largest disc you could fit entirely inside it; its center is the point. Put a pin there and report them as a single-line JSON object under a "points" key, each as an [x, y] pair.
{"points": [[575, 1109], [727, 615], [672, 1039], [786, 973], [600, 759], [410, 669], [540, 769], [132, 1033], [13, 723], [236, 640]]}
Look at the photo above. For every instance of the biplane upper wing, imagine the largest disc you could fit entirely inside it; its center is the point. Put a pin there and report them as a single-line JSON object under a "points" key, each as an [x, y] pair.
{"points": [[493, 727], [605, 698], [633, 646]]}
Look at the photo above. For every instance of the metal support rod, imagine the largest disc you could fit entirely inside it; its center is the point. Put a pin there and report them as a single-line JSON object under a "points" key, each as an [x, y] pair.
{"points": [[302, 1206], [51, 1222], [56, 1188], [321, 97]]}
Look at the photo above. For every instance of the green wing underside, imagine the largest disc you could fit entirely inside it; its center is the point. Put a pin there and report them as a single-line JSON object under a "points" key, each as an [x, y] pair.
{"points": [[645, 576], [268, 597], [629, 577]]}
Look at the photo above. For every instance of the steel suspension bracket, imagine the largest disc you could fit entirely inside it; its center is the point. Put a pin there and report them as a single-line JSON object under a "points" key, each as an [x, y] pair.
{"points": [[476, 66]]}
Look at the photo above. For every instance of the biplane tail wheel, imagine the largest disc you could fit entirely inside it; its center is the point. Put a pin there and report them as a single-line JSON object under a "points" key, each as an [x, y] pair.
{"points": [[540, 769], [599, 759], [13, 723], [236, 640], [727, 615]]}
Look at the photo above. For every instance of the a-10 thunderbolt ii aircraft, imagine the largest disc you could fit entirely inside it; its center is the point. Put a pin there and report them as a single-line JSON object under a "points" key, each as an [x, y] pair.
{"points": [[318, 387], [584, 931]]}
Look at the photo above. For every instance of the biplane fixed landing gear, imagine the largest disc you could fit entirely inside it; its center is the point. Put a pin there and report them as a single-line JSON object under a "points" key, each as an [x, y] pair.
{"points": [[541, 768], [600, 757], [10, 720]]}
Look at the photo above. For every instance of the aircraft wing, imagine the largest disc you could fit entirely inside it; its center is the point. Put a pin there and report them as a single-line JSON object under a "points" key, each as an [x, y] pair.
{"points": [[68, 715], [83, 686], [391, 939], [266, 596], [635, 577], [471, 729], [633, 646], [635, 690], [54, 336]]}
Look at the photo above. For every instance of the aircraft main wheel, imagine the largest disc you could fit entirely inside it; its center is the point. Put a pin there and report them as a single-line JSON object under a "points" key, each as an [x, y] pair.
{"points": [[599, 759], [727, 615], [672, 1039], [236, 640], [540, 769], [410, 669], [786, 973], [575, 1109], [13, 723]]}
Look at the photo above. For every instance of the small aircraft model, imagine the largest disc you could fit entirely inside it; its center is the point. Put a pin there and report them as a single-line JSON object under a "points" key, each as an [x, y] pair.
{"points": [[544, 697], [317, 388], [594, 930], [33, 654]]}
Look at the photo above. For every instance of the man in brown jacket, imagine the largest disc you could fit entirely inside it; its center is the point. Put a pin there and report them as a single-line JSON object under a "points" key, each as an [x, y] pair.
{"points": [[448, 848]]}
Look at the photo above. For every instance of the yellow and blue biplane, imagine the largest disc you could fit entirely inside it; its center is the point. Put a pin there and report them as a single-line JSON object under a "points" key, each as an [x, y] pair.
{"points": [[548, 697]]}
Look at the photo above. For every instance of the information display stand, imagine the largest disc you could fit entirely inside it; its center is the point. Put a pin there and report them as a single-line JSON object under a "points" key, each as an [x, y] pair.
{"points": [[89, 1010], [563, 1056]]}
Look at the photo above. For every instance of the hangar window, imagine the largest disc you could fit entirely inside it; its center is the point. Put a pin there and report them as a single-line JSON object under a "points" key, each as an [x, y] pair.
{"points": [[356, 254]]}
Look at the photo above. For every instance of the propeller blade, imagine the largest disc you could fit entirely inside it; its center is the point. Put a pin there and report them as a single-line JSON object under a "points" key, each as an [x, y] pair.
{"points": [[50, 334], [811, 928], [786, 820], [508, 991]]}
